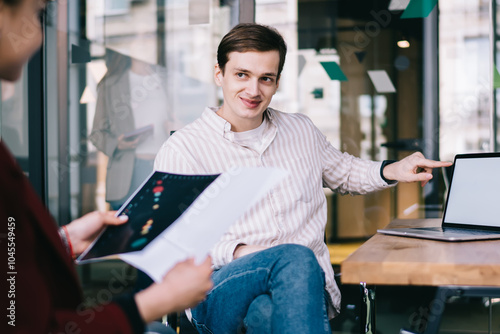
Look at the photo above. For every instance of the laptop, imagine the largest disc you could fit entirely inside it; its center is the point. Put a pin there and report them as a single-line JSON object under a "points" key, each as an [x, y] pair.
{"points": [[472, 210]]}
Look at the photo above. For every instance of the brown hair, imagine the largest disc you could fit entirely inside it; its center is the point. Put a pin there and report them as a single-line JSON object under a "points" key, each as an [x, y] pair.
{"points": [[251, 37], [14, 3], [11, 2]]}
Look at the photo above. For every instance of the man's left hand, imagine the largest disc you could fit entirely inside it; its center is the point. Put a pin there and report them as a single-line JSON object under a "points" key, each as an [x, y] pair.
{"points": [[413, 168]]}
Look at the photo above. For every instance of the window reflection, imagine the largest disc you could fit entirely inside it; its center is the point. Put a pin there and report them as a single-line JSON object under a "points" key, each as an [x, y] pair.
{"points": [[465, 73], [131, 122], [14, 119], [152, 66]]}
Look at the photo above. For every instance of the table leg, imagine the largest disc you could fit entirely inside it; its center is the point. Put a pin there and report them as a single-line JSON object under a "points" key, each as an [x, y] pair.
{"points": [[490, 316], [368, 314]]}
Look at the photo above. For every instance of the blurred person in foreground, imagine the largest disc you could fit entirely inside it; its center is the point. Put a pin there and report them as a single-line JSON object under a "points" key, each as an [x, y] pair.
{"points": [[44, 292]]}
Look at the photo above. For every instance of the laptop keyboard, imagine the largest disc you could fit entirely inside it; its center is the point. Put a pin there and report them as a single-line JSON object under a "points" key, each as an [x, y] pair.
{"points": [[459, 230], [467, 231]]}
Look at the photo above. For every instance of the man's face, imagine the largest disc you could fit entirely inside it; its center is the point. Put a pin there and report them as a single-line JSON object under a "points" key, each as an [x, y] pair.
{"points": [[248, 85], [20, 36]]}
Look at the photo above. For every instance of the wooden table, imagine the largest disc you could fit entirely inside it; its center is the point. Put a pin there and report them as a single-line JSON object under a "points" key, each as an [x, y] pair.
{"points": [[392, 260]]}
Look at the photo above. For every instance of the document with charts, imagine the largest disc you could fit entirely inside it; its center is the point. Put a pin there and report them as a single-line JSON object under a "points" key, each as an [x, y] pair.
{"points": [[173, 217]]}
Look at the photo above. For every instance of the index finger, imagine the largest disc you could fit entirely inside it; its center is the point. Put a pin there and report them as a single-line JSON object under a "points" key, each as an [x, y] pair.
{"points": [[434, 163]]}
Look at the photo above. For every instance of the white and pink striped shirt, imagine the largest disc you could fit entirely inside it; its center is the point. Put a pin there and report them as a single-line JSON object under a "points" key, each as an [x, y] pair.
{"points": [[295, 210]]}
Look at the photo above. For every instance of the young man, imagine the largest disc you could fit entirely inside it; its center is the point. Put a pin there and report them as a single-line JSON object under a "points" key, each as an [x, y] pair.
{"points": [[273, 267]]}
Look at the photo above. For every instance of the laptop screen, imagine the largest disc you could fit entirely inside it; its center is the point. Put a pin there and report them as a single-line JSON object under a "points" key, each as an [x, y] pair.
{"points": [[474, 194]]}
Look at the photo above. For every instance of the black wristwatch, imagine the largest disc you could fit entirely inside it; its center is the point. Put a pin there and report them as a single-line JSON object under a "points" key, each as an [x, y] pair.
{"points": [[385, 163]]}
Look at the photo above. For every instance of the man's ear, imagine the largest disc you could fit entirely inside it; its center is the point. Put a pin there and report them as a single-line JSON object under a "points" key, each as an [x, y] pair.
{"points": [[218, 76]]}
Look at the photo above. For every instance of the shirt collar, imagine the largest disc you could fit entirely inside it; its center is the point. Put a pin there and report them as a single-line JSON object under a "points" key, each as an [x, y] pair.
{"points": [[223, 127], [217, 123]]}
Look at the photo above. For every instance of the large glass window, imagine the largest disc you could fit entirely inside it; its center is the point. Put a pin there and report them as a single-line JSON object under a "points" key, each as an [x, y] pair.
{"points": [[151, 67], [112, 69], [382, 80], [378, 84], [110, 63], [14, 118], [359, 70], [346, 71], [465, 73]]}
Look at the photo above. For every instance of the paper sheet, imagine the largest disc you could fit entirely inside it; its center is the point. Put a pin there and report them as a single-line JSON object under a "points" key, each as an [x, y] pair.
{"points": [[206, 220]]}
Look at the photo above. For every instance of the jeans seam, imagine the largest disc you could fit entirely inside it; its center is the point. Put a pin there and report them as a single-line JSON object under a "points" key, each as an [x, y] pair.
{"points": [[237, 276], [220, 285]]}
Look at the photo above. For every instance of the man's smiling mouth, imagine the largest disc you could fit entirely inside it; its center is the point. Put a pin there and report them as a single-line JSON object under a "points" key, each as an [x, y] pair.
{"points": [[250, 103]]}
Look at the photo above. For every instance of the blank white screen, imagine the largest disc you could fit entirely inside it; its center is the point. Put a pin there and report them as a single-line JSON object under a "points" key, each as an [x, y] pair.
{"points": [[474, 195]]}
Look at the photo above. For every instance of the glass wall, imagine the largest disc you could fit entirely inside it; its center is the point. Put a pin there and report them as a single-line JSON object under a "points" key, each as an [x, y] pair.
{"points": [[14, 118], [465, 73], [380, 80], [379, 84], [112, 67], [346, 71], [151, 67], [495, 37], [383, 79]]}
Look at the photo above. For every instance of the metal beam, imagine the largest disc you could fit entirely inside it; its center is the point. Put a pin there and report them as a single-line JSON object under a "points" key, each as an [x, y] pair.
{"points": [[430, 113]]}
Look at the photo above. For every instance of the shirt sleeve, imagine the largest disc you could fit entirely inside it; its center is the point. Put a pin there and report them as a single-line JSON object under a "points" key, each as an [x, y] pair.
{"points": [[222, 252], [347, 174], [169, 159]]}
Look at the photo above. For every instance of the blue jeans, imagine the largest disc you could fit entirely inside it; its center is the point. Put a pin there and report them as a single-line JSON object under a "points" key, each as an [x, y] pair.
{"points": [[277, 290]]}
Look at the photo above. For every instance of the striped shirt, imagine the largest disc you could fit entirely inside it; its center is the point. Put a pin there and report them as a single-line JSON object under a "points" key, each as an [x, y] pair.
{"points": [[294, 211]]}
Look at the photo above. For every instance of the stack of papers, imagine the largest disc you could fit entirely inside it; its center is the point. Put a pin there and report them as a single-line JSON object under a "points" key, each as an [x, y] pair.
{"points": [[175, 217]]}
